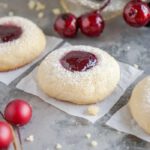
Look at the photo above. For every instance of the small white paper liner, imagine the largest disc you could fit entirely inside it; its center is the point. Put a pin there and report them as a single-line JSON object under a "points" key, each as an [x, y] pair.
{"points": [[128, 75], [123, 121], [8, 77]]}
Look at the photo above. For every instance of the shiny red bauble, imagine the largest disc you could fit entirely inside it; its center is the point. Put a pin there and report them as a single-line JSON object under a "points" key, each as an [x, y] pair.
{"points": [[136, 13], [91, 24], [18, 112], [66, 25], [6, 136]]}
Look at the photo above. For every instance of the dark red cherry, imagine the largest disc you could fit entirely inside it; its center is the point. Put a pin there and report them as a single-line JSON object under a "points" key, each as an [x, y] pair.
{"points": [[66, 25], [148, 24], [136, 13], [9, 32], [91, 24], [6, 136], [18, 112], [78, 61]]}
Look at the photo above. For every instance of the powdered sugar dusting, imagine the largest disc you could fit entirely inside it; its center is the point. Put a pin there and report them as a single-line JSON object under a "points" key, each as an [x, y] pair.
{"points": [[146, 89], [29, 30], [95, 83], [53, 60], [23, 50]]}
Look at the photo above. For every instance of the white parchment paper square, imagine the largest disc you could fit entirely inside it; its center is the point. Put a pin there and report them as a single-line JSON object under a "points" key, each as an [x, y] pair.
{"points": [[8, 77], [128, 76], [123, 121]]}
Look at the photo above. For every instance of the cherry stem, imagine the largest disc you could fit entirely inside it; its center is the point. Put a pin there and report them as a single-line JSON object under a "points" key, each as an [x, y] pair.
{"points": [[2, 115], [64, 5], [105, 5], [19, 136], [15, 145]]}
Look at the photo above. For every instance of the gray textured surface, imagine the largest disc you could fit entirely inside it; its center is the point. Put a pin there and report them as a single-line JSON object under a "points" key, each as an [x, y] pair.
{"points": [[51, 126]]}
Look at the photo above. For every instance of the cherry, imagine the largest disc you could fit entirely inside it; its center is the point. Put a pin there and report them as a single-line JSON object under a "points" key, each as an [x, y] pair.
{"points": [[9, 32], [78, 61], [91, 24], [18, 112], [136, 13], [6, 136], [66, 25], [148, 24]]}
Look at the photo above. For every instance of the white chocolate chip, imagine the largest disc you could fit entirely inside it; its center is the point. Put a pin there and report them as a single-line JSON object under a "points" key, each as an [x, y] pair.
{"points": [[30, 138], [58, 146], [56, 11], [128, 47], [11, 13], [31, 4], [136, 66], [40, 15], [93, 110], [94, 143], [88, 135], [39, 6]]}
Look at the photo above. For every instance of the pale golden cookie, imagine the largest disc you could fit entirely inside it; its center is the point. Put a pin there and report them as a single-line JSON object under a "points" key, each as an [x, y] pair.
{"points": [[21, 41], [93, 83], [139, 104]]}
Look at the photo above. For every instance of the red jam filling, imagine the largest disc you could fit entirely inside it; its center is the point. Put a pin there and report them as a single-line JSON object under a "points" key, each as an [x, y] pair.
{"points": [[9, 32], [78, 61]]}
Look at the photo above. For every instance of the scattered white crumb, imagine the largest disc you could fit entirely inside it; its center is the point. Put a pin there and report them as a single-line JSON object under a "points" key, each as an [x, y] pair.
{"points": [[94, 143], [10, 13], [93, 110], [36, 5], [40, 14], [128, 47], [56, 11], [58, 146], [136, 66], [31, 4], [76, 123], [39, 6], [88, 135], [30, 138], [118, 132]]}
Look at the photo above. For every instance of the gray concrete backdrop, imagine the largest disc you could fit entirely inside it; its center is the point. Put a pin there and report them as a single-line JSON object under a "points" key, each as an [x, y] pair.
{"points": [[50, 125]]}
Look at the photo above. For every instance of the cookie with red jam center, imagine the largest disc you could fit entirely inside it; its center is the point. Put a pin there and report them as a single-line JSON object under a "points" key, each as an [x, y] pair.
{"points": [[21, 41], [78, 74]]}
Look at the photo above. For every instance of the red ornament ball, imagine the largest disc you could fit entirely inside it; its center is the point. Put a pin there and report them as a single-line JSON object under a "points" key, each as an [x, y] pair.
{"points": [[18, 112], [136, 13], [6, 136]]}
